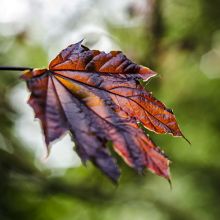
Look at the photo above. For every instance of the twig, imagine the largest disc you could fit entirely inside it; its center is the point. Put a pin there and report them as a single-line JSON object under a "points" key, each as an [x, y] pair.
{"points": [[15, 68]]}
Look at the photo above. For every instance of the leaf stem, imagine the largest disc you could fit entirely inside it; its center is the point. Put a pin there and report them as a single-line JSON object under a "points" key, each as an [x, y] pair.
{"points": [[15, 68]]}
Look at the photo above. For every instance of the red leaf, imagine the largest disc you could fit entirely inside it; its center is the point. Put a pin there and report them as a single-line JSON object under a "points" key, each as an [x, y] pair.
{"points": [[97, 97]]}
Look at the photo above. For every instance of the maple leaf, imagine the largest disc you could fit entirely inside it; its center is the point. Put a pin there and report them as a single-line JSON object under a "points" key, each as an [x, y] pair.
{"points": [[97, 97]]}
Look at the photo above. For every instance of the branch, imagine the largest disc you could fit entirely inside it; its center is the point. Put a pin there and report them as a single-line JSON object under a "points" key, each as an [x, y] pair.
{"points": [[15, 68]]}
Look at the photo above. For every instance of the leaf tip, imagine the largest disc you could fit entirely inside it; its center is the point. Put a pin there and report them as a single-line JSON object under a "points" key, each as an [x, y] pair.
{"points": [[146, 73], [80, 42], [187, 140], [170, 183]]}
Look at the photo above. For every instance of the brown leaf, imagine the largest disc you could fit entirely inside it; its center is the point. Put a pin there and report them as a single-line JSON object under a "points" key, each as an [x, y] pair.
{"points": [[97, 97]]}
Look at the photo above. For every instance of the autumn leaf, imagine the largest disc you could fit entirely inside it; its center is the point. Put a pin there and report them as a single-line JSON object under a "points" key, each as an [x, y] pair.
{"points": [[97, 97]]}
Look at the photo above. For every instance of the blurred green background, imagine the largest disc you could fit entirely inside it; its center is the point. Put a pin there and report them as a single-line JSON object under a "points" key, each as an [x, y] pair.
{"points": [[180, 39]]}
